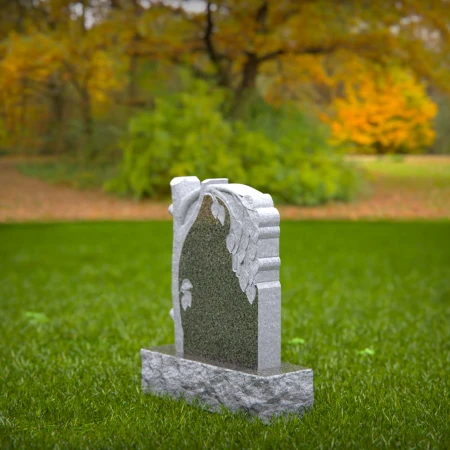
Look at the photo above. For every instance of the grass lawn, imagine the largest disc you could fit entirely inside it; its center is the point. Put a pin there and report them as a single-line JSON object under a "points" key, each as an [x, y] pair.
{"points": [[425, 177], [401, 169], [78, 301], [70, 174], [408, 169]]}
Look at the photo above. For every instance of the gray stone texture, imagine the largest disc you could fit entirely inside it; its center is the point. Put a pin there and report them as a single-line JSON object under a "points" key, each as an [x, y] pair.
{"points": [[225, 273], [226, 308], [266, 394]]}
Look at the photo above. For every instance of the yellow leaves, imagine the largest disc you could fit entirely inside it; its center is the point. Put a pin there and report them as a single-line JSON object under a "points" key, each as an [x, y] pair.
{"points": [[27, 63], [386, 112], [102, 80], [31, 57], [37, 56], [303, 78], [36, 67]]}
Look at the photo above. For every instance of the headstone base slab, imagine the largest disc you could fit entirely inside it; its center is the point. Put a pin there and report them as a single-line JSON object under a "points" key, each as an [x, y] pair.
{"points": [[265, 394]]}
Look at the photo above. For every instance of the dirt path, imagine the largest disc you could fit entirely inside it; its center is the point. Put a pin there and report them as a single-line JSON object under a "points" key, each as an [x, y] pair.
{"points": [[24, 198], [28, 199], [384, 203]]}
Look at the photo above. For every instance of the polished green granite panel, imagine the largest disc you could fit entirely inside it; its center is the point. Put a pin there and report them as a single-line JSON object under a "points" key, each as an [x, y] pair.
{"points": [[218, 321]]}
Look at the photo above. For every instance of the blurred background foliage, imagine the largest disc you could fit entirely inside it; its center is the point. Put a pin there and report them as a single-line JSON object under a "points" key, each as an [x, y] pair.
{"points": [[187, 133], [130, 93]]}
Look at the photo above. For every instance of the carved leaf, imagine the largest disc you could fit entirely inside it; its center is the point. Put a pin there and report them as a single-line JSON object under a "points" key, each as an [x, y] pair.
{"points": [[253, 215], [231, 243], [186, 300], [244, 241], [243, 279], [254, 267], [236, 246], [237, 210], [252, 249], [221, 214], [248, 225], [235, 262], [254, 235], [251, 293], [215, 208], [237, 230], [241, 254], [186, 285], [247, 202]]}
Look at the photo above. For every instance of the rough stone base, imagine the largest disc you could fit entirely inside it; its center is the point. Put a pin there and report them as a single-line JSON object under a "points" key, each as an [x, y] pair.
{"points": [[265, 394]]}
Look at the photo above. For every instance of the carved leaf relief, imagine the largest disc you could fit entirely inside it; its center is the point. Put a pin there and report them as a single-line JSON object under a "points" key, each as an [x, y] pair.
{"points": [[218, 211], [251, 292], [242, 240], [186, 295]]}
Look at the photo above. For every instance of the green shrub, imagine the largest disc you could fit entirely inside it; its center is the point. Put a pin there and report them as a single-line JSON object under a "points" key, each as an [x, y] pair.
{"points": [[313, 171], [187, 135]]}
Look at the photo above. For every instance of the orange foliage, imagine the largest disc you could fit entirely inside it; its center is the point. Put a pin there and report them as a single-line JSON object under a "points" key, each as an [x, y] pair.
{"points": [[62, 55], [386, 112]]}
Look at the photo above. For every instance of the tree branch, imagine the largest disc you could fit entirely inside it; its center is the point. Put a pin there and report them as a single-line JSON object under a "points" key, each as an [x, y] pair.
{"points": [[271, 55], [261, 15], [207, 38], [318, 50]]}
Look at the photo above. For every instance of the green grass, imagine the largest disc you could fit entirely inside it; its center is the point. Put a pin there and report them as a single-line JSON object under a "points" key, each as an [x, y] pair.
{"points": [[409, 169], [70, 174], [404, 169], [366, 305]]}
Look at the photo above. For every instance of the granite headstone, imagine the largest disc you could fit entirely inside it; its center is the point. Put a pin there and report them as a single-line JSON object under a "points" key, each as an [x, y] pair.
{"points": [[226, 305]]}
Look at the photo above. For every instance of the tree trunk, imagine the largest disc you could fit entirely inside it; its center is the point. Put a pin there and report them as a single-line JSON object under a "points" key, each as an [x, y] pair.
{"points": [[133, 70], [249, 72], [132, 85], [58, 117], [133, 67], [23, 134], [247, 88], [87, 149]]}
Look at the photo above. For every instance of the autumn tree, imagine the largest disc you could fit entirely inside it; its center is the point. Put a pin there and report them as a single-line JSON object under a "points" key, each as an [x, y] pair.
{"points": [[387, 112], [234, 41], [28, 65], [61, 58], [375, 108], [56, 56]]}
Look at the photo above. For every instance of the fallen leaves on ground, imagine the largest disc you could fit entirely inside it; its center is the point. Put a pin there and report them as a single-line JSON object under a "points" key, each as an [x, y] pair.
{"points": [[28, 199]]}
